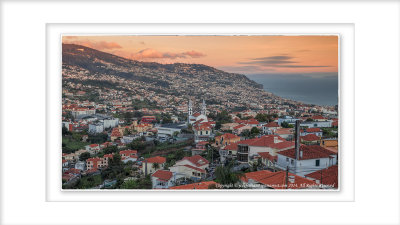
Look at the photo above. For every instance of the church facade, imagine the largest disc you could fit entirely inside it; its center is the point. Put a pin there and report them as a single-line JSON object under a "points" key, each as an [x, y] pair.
{"points": [[198, 116]]}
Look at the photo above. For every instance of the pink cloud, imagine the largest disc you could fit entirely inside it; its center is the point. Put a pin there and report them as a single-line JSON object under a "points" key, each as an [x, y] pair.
{"points": [[194, 54], [100, 45], [149, 53]]}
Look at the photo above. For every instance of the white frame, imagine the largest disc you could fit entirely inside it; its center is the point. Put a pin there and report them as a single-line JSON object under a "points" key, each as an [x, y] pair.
{"points": [[23, 30], [346, 182]]}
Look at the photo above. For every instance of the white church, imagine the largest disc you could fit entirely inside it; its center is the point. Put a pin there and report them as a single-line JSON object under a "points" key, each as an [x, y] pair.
{"points": [[192, 118]]}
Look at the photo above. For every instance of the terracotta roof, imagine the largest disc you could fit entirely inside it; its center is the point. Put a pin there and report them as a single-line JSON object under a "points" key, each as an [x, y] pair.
{"points": [[94, 159], [108, 156], [277, 180], [163, 174], [157, 159], [312, 130], [199, 185], [231, 147], [329, 176], [268, 141], [310, 137], [239, 126], [309, 152], [266, 155], [228, 136], [93, 145], [128, 152], [282, 131], [197, 160], [318, 118], [271, 124], [195, 168]]}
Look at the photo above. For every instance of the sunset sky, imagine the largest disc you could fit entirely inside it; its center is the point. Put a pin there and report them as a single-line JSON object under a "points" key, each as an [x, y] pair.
{"points": [[239, 54]]}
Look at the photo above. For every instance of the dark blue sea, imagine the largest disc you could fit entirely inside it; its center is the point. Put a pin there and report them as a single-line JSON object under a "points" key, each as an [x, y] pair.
{"points": [[318, 89]]}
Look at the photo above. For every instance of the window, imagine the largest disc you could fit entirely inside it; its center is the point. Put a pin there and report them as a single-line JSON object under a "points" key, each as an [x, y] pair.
{"points": [[287, 159], [317, 162], [292, 162]]}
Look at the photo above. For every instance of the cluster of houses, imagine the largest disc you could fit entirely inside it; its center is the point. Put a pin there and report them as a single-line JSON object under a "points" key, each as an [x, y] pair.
{"points": [[289, 151]]}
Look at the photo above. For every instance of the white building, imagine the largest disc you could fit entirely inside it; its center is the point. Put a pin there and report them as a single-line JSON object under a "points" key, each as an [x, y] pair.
{"points": [[311, 124], [80, 165], [96, 128], [162, 179], [311, 158]]}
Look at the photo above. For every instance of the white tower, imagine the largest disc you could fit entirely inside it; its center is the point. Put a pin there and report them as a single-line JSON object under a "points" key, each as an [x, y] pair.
{"points": [[190, 110], [203, 108]]}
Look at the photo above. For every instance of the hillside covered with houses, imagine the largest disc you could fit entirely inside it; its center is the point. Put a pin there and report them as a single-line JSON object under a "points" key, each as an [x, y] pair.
{"points": [[121, 131]]}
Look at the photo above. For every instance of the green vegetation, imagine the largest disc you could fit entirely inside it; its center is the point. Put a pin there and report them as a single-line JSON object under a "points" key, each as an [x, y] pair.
{"points": [[143, 183], [225, 176], [89, 182], [138, 104], [175, 156], [220, 118], [286, 125], [69, 144], [84, 156], [329, 132]]}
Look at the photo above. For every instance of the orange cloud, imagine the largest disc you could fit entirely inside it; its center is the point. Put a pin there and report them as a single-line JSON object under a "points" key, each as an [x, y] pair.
{"points": [[99, 45], [149, 53], [194, 54]]}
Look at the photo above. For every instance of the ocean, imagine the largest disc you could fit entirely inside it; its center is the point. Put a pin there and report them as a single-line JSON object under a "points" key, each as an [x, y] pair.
{"points": [[308, 88]]}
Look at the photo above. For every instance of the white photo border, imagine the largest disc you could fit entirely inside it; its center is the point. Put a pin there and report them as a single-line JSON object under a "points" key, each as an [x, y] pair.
{"points": [[56, 31], [21, 205]]}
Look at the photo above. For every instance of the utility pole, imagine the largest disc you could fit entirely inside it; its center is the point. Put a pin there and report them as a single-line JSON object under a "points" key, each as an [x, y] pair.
{"points": [[287, 176]]}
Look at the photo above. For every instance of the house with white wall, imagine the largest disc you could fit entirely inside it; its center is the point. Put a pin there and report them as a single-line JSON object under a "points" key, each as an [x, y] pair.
{"points": [[162, 179], [311, 159]]}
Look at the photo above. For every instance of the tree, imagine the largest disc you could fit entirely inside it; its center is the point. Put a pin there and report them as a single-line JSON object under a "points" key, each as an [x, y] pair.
{"points": [[286, 125], [254, 131], [84, 156], [156, 166], [65, 131], [262, 117], [225, 176], [130, 184]]}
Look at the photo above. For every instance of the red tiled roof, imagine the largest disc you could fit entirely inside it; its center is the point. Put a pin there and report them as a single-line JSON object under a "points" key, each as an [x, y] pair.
{"points": [[197, 160], [128, 152], [163, 174], [268, 141], [157, 159], [271, 124], [309, 152], [200, 185], [94, 159], [277, 180], [310, 137], [318, 118], [231, 147], [108, 156], [93, 145], [266, 155], [196, 114], [73, 170], [282, 131], [312, 130], [229, 136], [329, 176], [239, 126], [195, 168]]}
